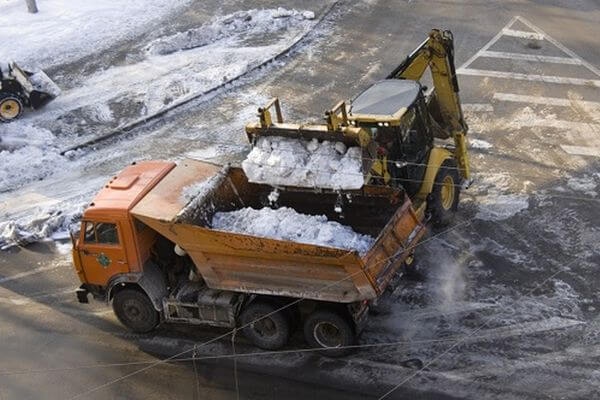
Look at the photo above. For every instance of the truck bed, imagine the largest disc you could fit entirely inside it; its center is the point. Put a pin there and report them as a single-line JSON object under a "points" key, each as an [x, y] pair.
{"points": [[252, 264]]}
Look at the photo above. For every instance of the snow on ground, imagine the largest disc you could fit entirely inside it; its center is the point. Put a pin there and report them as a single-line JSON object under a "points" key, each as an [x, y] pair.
{"points": [[496, 198], [26, 153], [180, 66], [287, 224], [292, 162], [63, 30], [586, 184], [241, 22]]}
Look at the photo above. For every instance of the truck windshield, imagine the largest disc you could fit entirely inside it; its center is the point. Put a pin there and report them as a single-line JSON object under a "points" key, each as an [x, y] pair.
{"points": [[101, 232]]}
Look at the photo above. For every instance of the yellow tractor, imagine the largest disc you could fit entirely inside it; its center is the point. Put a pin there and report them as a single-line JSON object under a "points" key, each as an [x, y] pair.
{"points": [[411, 137], [20, 88]]}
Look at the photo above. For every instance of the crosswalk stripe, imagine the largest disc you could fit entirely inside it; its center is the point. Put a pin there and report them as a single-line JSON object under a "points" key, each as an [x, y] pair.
{"points": [[477, 107], [559, 45], [522, 34], [530, 77], [549, 101], [530, 57], [581, 150]]}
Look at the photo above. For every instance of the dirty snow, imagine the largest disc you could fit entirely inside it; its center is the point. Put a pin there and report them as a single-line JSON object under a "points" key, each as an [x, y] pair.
{"points": [[287, 224], [241, 22], [497, 198], [586, 184], [77, 28], [291, 162], [26, 153], [181, 66]]}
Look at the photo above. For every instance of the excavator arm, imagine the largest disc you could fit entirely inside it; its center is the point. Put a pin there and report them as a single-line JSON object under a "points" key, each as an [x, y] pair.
{"points": [[437, 53]]}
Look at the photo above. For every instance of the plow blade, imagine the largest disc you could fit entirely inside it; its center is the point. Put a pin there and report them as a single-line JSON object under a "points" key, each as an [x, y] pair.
{"points": [[37, 86]]}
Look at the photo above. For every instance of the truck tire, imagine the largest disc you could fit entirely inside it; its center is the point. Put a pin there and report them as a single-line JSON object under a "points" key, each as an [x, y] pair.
{"points": [[11, 107], [445, 193], [135, 310], [264, 327], [328, 329]]}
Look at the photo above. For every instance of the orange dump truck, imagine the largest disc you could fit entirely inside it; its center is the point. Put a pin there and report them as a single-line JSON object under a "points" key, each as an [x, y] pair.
{"points": [[150, 250]]}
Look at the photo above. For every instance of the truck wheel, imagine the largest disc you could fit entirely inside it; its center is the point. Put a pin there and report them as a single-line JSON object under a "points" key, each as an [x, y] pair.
{"points": [[11, 107], [264, 327], [445, 193], [135, 310], [329, 330]]}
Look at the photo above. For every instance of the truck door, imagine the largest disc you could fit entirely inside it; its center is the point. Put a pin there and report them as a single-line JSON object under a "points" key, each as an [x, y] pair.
{"points": [[102, 252]]}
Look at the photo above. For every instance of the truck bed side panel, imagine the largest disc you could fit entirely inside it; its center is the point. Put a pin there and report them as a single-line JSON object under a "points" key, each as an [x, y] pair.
{"points": [[243, 263]]}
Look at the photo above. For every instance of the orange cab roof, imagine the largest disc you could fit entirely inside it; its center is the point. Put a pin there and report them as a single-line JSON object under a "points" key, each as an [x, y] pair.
{"points": [[123, 191]]}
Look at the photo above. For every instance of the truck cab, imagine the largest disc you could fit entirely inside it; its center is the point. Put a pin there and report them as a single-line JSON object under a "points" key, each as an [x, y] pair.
{"points": [[111, 244]]}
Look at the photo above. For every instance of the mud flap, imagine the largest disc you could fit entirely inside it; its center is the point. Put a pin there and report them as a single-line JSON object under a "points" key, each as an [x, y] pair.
{"points": [[153, 283]]}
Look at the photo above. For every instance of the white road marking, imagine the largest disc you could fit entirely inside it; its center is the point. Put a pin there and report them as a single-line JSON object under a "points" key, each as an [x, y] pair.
{"points": [[530, 57], [523, 34], [549, 101], [560, 46], [587, 130], [488, 44], [537, 33], [530, 77], [477, 107], [581, 150], [28, 273]]}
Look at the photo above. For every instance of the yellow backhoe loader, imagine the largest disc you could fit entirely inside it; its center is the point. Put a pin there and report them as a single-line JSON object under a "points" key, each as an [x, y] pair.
{"points": [[412, 137]]}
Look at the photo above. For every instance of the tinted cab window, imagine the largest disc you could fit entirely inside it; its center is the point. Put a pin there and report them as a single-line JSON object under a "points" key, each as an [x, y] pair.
{"points": [[101, 233]]}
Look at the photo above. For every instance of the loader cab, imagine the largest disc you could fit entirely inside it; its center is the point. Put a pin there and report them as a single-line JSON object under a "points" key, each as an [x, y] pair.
{"points": [[395, 112]]}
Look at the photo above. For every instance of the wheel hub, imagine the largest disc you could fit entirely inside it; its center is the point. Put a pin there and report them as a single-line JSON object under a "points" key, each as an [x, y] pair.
{"points": [[265, 327], [447, 192], [9, 109], [327, 335]]}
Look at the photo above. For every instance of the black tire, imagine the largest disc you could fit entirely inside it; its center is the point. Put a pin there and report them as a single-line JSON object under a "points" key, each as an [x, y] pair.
{"points": [[11, 107], [264, 327], [135, 310], [443, 200], [329, 330]]}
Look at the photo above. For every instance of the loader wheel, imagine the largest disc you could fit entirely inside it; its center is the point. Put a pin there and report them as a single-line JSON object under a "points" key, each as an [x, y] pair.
{"points": [[329, 330], [445, 193], [264, 327], [11, 107], [135, 310]]}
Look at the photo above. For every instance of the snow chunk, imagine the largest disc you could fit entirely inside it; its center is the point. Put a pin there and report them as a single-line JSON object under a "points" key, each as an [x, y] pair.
{"points": [[479, 144], [287, 224], [292, 162]]}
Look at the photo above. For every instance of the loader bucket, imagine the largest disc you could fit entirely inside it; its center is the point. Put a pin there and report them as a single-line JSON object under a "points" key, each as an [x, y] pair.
{"points": [[37, 86]]}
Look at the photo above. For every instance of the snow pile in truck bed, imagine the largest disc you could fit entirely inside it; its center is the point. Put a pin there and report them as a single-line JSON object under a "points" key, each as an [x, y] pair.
{"points": [[287, 224], [283, 161]]}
